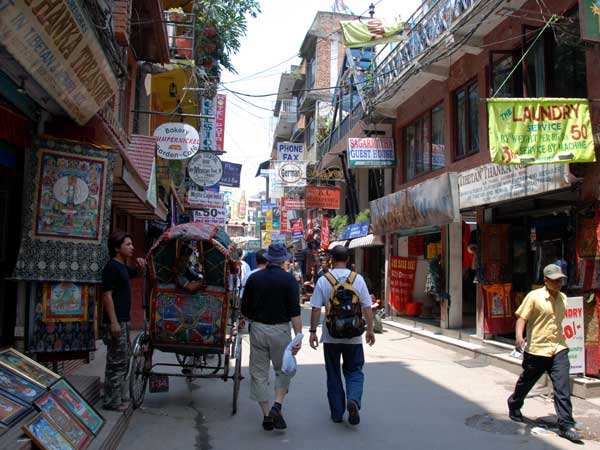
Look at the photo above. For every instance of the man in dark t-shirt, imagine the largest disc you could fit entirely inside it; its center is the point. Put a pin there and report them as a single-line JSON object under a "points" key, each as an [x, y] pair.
{"points": [[116, 302]]}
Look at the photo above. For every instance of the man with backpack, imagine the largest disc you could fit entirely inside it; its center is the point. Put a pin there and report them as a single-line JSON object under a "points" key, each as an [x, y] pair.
{"points": [[346, 298]]}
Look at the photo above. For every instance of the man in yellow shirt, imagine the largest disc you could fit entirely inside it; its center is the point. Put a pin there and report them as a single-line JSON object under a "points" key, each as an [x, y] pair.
{"points": [[543, 311]]}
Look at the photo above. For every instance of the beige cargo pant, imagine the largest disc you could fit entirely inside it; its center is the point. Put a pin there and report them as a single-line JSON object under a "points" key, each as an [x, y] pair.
{"points": [[267, 344]]}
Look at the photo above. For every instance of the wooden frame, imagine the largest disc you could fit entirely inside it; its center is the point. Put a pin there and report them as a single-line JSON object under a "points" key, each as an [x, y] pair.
{"points": [[28, 368], [57, 414], [7, 401], [13, 383], [76, 404], [45, 436], [465, 89]]}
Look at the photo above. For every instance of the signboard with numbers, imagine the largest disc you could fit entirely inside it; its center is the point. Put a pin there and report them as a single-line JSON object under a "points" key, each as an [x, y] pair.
{"points": [[213, 216], [573, 331]]}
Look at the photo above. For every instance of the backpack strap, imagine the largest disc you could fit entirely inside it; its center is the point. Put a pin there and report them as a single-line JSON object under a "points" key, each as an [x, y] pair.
{"points": [[351, 277], [331, 278]]}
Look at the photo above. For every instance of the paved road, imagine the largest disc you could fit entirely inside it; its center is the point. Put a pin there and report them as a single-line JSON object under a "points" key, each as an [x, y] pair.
{"points": [[417, 396]]}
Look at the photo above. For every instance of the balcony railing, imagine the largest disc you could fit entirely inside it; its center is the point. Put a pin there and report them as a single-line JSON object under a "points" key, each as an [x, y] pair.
{"points": [[429, 22], [181, 34], [288, 112], [341, 131]]}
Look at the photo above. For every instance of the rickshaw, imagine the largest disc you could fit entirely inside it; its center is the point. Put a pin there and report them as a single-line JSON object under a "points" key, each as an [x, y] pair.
{"points": [[200, 328]]}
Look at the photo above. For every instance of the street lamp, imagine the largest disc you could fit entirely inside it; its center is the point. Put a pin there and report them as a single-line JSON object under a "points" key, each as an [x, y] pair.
{"points": [[371, 10]]}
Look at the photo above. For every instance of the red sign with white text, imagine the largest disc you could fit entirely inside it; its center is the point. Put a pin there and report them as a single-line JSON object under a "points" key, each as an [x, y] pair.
{"points": [[284, 220], [402, 282], [325, 233], [221, 102], [292, 203], [322, 197]]}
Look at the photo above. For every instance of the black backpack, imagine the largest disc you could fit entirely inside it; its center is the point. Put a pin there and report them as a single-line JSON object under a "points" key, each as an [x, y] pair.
{"points": [[344, 318]]}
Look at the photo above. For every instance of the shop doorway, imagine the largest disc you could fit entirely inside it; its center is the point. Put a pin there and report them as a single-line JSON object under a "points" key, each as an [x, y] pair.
{"points": [[469, 274]]}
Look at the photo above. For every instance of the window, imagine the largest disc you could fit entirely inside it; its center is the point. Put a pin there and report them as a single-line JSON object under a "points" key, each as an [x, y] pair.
{"points": [[502, 63], [424, 144], [466, 101], [311, 73], [311, 132]]}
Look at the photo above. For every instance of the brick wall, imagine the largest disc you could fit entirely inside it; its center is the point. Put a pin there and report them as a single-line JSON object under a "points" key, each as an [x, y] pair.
{"points": [[122, 21]]}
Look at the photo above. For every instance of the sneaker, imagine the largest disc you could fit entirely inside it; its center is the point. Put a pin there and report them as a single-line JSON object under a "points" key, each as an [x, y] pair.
{"points": [[277, 417], [353, 415], [336, 420], [571, 434], [515, 415], [267, 423]]}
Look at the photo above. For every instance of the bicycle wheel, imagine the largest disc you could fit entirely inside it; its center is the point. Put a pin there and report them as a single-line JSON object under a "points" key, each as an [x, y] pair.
{"points": [[138, 376]]}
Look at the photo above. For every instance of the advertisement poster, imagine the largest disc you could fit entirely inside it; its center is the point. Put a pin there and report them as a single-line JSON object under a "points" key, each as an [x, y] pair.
{"points": [[213, 216], [540, 130], [322, 197], [293, 203], [297, 227], [573, 331], [231, 174], [284, 220], [205, 199], [371, 152], [402, 281]]}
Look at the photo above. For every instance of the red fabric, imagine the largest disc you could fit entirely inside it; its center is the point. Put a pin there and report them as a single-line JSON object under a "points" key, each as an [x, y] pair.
{"points": [[467, 256]]}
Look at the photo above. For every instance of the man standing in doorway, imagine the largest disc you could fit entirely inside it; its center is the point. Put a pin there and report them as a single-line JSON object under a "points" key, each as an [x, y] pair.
{"points": [[271, 300], [350, 350], [116, 301], [542, 311]]}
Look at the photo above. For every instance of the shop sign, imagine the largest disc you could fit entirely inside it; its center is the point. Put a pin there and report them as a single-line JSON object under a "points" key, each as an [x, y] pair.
{"points": [[589, 20], [278, 238], [297, 227], [284, 220], [253, 244], [322, 197], [205, 169], [176, 140], [371, 152], [325, 233], [329, 173], [293, 203], [292, 173], [221, 100], [231, 174], [205, 199], [265, 237], [356, 230], [57, 46], [493, 183], [208, 139], [538, 131], [213, 216], [276, 189], [411, 208], [264, 206], [573, 330], [402, 281], [290, 151], [368, 32]]}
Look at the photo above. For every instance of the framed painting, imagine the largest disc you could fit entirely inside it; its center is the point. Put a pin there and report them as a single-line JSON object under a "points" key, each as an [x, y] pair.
{"points": [[18, 386], [76, 404], [589, 20], [43, 433], [64, 421], [64, 302], [11, 409], [27, 368], [69, 201]]}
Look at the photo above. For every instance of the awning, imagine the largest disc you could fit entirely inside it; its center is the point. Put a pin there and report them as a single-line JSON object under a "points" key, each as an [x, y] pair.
{"points": [[370, 240], [336, 243]]}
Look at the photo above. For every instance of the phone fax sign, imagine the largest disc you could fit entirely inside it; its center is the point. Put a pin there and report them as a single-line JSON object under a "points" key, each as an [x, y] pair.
{"points": [[290, 151]]}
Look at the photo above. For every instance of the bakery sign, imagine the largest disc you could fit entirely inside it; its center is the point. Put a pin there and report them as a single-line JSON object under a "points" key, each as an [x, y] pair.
{"points": [[292, 173], [176, 140], [57, 46]]}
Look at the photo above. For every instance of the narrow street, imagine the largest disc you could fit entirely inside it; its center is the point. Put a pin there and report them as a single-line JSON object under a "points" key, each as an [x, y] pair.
{"points": [[416, 393]]}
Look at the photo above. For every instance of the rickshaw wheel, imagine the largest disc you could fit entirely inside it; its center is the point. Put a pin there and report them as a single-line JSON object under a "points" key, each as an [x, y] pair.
{"points": [[201, 361], [237, 371], [138, 377]]}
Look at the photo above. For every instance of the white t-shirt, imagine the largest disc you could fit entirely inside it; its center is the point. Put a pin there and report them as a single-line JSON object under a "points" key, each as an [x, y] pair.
{"points": [[243, 276], [320, 298]]}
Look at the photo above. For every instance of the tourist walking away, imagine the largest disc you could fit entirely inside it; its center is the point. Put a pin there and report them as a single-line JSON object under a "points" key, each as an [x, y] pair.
{"points": [[346, 298], [261, 261], [116, 302], [542, 312], [270, 302]]}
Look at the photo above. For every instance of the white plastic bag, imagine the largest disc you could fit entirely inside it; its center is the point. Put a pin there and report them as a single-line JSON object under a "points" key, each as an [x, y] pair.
{"points": [[288, 365]]}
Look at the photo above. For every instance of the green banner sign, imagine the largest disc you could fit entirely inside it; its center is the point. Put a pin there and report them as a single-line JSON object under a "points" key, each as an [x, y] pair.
{"points": [[540, 130], [369, 32]]}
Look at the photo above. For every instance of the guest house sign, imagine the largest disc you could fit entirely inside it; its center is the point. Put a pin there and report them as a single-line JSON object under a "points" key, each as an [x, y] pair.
{"points": [[58, 47]]}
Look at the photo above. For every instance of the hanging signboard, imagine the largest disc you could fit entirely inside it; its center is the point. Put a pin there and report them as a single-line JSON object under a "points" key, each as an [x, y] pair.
{"points": [[493, 183], [213, 216], [402, 281], [265, 237], [221, 102], [322, 197], [276, 189], [297, 227], [205, 169], [208, 141], [284, 220], [573, 330], [369, 32], [357, 230], [540, 130], [371, 152], [205, 199], [290, 151], [410, 208], [325, 233], [176, 140], [589, 19], [293, 203], [231, 174], [278, 238], [57, 45], [292, 173]]}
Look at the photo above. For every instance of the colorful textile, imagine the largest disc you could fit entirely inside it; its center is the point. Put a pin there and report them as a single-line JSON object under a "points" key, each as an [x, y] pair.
{"points": [[64, 302], [498, 308]]}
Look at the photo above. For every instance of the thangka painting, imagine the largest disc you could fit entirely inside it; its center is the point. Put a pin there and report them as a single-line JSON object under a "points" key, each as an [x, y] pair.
{"points": [[11, 409], [67, 193], [70, 190], [27, 368], [197, 319], [18, 386], [64, 421], [45, 435], [64, 302], [74, 402]]}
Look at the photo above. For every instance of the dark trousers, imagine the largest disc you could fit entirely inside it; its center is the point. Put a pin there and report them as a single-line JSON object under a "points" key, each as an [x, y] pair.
{"points": [[557, 367], [353, 361]]}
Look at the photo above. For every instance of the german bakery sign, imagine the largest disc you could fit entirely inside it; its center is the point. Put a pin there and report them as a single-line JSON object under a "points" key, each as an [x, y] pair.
{"points": [[176, 140]]}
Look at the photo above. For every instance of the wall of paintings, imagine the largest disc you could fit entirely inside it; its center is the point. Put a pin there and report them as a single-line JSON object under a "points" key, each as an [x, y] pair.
{"points": [[55, 414]]}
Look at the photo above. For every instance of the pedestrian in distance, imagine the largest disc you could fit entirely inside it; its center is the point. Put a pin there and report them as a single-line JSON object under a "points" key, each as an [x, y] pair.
{"points": [[270, 302], [542, 312], [116, 302], [343, 290], [261, 261]]}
